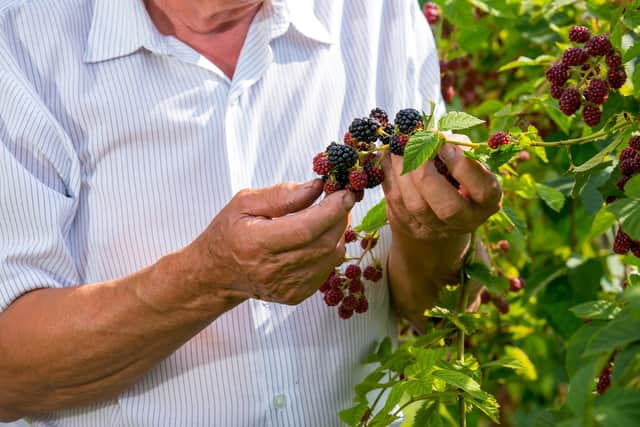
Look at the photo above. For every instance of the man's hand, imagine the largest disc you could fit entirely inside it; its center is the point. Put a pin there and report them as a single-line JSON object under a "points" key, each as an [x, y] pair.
{"points": [[271, 245], [424, 206]]}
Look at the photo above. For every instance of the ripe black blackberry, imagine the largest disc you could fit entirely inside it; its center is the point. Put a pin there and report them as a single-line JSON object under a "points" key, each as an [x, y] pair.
{"points": [[498, 139], [634, 142], [598, 46], [597, 91], [372, 273], [630, 166], [574, 56], [363, 305], [333, 297], [622, 182], [579, 34], [353, 271], [379, 115], [558, 74], [614, 61], [629, 152], [591, 115], [364, 130], [622, 242], [408, 120], [604, 380], [341, 157], [556, 91], [344, 313], [375, 175], [616, 77], [397, 144], [570, 101]]}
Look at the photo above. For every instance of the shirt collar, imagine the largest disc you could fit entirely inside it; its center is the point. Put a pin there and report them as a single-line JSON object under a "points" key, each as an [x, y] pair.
{"points": [[121, 27]]}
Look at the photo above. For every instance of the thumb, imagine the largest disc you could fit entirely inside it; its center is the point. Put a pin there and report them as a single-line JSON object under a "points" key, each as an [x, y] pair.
{"points": [[281, 199]]}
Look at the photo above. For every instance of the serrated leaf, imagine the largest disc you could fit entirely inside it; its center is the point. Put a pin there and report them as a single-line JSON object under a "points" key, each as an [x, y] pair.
{"points": [[627, 211], [457, 120], [520, 224], [462, 381], [601, 156], [604, 310], [425, 414], [353, 415], [421, 147], [632, 188], [603, 220], [375, 219], [552, 197], [618, 332]]}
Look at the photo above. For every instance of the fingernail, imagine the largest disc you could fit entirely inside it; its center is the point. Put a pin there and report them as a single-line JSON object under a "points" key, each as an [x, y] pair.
{"points": [[448, 151], [348, 200]]}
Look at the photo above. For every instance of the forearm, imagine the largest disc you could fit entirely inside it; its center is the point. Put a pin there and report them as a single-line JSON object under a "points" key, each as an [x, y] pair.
{"points": [[419, 269], [68, 347]]}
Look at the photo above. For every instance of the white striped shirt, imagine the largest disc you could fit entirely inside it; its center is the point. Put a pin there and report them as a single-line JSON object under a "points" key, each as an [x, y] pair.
{"points": [[119, 145]]}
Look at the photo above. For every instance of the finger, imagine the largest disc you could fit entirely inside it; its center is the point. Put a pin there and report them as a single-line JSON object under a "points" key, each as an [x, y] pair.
{"points": [[412, 198], [308, 225], [280, 200], [480, 184]]}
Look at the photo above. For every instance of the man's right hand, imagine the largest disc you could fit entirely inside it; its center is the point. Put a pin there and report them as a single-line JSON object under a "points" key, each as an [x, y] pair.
{"points": [[271, 244]]}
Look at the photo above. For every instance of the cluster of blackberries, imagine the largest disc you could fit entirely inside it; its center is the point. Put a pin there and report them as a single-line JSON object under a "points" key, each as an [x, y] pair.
{"points": [[578, 81], [498, 139], [356, 164], [623, 243], [629, 163], [346, 289], [431, 12]]}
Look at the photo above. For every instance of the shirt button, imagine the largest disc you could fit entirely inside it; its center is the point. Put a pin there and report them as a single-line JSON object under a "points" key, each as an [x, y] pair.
{"points": [[280, 401]]}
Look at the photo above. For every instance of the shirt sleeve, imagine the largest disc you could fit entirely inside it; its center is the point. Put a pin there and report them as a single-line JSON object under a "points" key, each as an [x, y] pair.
{"points": [[39, 183]]}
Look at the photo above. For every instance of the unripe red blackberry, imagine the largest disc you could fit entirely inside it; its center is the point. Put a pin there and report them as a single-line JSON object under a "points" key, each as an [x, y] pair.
{"points": [[504, 245], [373, 273], [356, 287], [375, 175], [634, 142], [363, 305], [498, 139], [597, 91], [333, 297], [380, 116], [350, 235], [397, 144], [408, 121], [598, 46], [591, 115], [321, 164], [501, 304], [630, 166], [604, 380], [344, 313], [358, 179], [350, 302], [368, 243], [574, 56], [579, 34], [341, 157], [431, 12], [485, 297], [516, 284], [448, 92], [614, 61], [349, 140], [331, 186], [336, 281], [616, 77], [570, 101], [556, 91], [622, 182], [622, 242], [558, 74], [524, 156], [325, 285], [353, 271]]}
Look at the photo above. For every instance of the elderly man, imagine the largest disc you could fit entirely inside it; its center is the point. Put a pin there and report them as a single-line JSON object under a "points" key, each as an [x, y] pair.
{"points": [[139, 286]]}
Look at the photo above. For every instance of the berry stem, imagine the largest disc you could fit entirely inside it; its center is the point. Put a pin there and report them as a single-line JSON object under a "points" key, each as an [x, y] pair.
{"points": [[583, 139]]}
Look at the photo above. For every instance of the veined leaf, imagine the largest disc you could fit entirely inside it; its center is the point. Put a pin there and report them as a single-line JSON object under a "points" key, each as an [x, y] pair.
{"points": [[375, 219], [421, 147], [552, 197], [632, 188], [457, 120], [627, 211], [604, 310]]}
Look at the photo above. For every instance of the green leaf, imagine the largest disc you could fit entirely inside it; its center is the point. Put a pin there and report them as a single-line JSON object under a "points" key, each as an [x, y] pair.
{"points": [[524, 61], [601, 156], [421, 147], [430, 121], [632, 188], [627, 212], [352, 416], [603, 310], [375, 219], [618, 408], [501, 156], [618, 332], [425, 414], [552, 197], [578, 343], [632, 53], [527, 369], [383, 354], [603, 220], [480, 273], [460, 380], [520, 224], [581, 387], [457, 120]]}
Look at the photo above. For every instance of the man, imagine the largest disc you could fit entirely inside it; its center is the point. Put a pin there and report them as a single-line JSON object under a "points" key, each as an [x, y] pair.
{"points": [[138, 284]]}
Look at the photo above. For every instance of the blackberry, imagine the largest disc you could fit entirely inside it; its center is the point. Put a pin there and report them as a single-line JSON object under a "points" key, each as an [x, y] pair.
{"points": [[380, 116], [350, 302], [570, 101], [364, 130], [341, 157], [342, 178], [616, 77], [556, 91], [336, 281], [363, 305], [353, 271], [501, 304], [591, 115], [597, 91], [448, 80], [498, 139], [614, 61], [610, 199], [321, 164], [431, 12], [635, 249], [356, 287], [397, 144], [604, 380], [408, 120], [350, 235], [333, 297], [504, 245], [598, 46], [485, 297], [388, 130], [344, 313], [622, 182], [349, 140], [558, 74], [524, 156], [622, 242], [579, 34], [574, 56], [368, 243], [331, 186], [375, 175], [373, 273], [630, 166], [358, 179], [516, 284], [634, 142], [448, 92], [628, 153], [325, 286]]}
